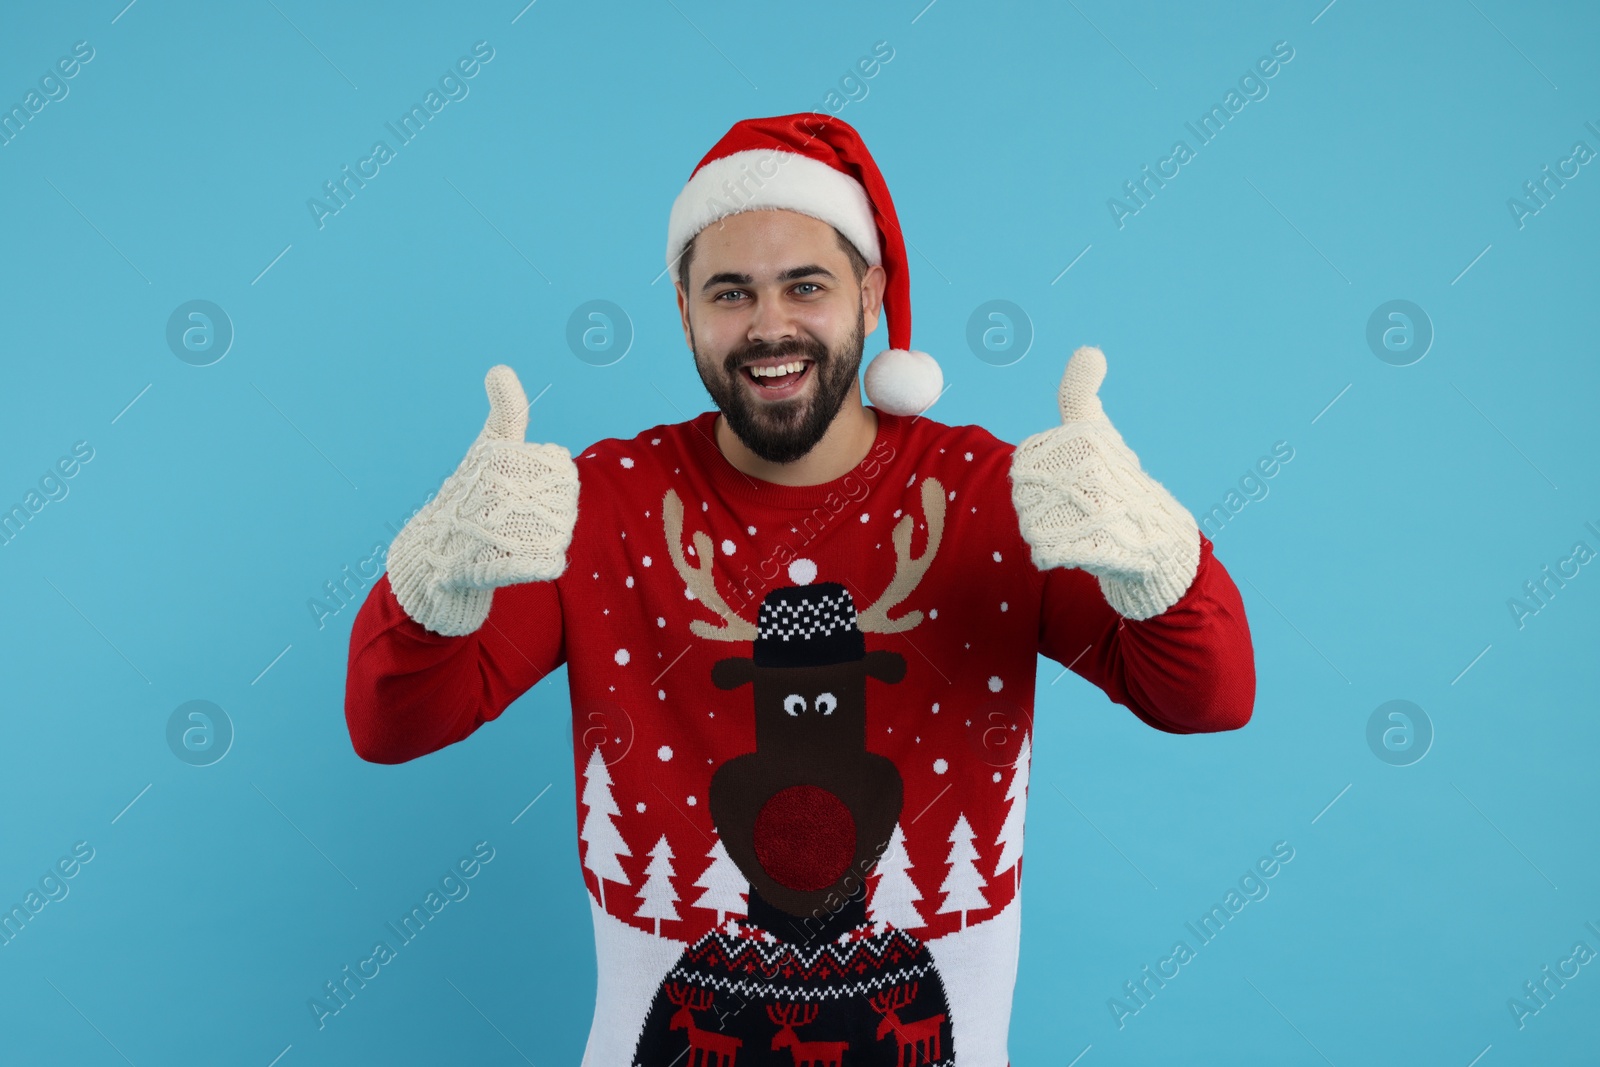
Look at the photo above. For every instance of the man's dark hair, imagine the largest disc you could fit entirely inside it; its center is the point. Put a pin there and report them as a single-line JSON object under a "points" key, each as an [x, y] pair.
{"points": [[858, 262]]}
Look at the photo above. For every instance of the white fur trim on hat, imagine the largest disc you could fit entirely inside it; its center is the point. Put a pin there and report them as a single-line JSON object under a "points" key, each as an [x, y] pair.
{"points": [[770, 178]]}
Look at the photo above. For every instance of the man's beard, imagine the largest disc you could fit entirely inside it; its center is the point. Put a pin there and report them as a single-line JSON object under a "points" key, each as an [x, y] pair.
{"points": [[781, 431]]}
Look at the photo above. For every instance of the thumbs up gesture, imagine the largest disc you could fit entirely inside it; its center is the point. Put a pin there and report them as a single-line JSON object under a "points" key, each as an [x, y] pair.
{"points": [[1082, 500], [506, 515]]}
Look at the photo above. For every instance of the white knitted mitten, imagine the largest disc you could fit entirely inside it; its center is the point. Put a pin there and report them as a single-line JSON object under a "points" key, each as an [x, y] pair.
{"points": [[1082, 500], [505, 516]]}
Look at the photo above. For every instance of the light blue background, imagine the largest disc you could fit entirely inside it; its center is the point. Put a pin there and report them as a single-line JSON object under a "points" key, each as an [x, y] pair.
{"points": [[1232, 310]]}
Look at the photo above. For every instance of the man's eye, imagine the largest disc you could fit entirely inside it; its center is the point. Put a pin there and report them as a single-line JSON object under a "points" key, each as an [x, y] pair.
{"points": [[730, 292], [813, 285]]}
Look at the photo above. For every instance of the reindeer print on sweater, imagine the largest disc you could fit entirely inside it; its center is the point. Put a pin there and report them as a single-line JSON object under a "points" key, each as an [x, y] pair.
{"points": [[805, 818]]}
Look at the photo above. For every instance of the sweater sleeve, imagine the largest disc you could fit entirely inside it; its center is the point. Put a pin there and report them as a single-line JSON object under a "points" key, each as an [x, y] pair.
{"points": [[409, 691], [1190, 669]]}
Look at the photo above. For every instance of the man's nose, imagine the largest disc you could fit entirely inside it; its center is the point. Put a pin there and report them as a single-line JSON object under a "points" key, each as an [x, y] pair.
{"points": [[772, 323]]}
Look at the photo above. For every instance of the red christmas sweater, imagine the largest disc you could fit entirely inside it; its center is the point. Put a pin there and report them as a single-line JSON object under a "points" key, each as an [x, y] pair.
{"points": [[803, 721]]}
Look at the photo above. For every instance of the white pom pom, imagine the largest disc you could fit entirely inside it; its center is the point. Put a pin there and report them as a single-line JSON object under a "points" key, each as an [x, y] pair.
{"points": [[903, 381], [803, 572]]}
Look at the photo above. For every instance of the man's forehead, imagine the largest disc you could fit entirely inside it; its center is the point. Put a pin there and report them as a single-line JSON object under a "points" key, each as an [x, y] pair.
{"points": [[762, 245]]}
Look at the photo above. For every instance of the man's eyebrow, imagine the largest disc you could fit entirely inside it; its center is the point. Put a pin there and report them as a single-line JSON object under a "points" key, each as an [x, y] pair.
{"points": [[792, 274]]}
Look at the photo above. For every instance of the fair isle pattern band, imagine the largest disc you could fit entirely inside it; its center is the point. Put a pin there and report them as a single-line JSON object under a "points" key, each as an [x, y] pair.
{"points": [[771, 178], [855, 966], [815, 616]]}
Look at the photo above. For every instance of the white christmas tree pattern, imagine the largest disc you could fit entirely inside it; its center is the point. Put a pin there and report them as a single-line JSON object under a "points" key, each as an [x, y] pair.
{"points": [[725, 886], [657, 898], [1010, 839], [603, 843], [894, 900], [963, 885]]}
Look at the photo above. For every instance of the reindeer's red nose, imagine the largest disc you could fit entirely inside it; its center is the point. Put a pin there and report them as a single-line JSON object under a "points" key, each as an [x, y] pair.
{"points": [[805, 837]]}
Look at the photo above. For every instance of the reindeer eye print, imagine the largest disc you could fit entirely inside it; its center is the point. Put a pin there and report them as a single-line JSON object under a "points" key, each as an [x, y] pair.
{"points": [[826, 702], [794, 703]]}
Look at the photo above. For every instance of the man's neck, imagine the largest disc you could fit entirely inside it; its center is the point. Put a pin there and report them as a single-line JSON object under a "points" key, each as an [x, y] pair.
{"points": [[845, 444]]}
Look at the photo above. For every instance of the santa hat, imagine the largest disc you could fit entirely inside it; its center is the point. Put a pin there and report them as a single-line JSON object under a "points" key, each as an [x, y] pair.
{"points": [[816, 165]]}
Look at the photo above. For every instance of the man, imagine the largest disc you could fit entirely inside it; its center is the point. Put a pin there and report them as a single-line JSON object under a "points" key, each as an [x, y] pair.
{"points": [[823, 866]]}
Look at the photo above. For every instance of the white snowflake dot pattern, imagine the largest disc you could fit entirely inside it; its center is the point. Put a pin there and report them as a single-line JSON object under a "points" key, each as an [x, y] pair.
{"points": [[1003, 605], [627, 461], [997, 776], [655, 440], [691, 801], [969, 457], [751, 530], [997, 557], [639, 807], [622, 657], [645, 561], [933, 613], [940, 766], [628, 581], [664, 753], [995, 683], [936, 707], [728, 547], [661, 694], [864, 516], [661, 620], [803, 571]]}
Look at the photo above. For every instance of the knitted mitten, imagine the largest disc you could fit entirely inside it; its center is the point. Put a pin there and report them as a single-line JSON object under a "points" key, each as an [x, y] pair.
{"points": [[1082, 500], [506, 515]]}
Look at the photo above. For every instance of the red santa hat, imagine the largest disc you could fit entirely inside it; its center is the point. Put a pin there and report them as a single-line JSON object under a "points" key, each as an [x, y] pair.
{"points": [[816, 165]]}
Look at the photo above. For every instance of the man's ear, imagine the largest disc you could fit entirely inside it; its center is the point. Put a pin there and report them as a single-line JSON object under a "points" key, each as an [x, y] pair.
{"points": [[683, 313], [873, 284], [884, 665], [733, 672]]}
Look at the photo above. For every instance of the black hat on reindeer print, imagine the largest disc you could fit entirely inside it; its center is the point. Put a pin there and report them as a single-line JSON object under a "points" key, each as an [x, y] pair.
{"points": [[808, 626]]}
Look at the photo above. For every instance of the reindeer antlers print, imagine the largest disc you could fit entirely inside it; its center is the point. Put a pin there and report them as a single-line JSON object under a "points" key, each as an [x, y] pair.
{"points": [[687, 996], [908, 571], [699, 578], [791, 1016]]}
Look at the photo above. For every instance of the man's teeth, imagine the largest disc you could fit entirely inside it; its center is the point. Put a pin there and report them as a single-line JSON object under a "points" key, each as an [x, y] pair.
{"points": [[778, 371]]}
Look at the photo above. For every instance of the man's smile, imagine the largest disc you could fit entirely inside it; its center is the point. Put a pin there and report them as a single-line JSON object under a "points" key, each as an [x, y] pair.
{"points": [[777, 378]]}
